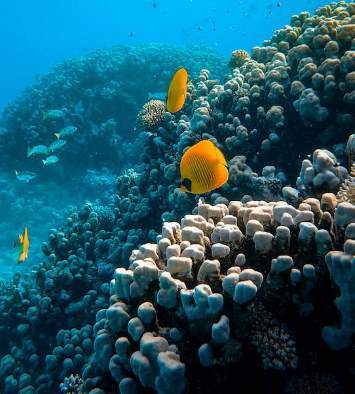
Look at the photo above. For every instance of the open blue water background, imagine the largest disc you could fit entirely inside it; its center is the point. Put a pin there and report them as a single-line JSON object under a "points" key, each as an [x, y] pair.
{"points": [[37, 34]]}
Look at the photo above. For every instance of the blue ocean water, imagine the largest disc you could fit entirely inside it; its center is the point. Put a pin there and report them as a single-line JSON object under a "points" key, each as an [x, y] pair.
{"points": [[150, 273], [38, 35]]}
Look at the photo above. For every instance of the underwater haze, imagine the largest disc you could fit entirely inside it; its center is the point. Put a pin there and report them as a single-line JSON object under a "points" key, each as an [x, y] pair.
{"points": [[37, 35], [177, 190]]}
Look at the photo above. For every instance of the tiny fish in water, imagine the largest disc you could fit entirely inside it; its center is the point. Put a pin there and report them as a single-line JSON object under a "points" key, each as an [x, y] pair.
{"points": [[23, 246], [53, 114], [26, 176], [203, 168], [177, 91], [69, 130], [37, 150], [56, 145], [50, 160]]}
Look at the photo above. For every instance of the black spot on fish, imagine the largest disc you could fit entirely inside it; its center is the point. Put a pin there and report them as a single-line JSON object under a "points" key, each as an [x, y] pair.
{"points": [[187, 183]]}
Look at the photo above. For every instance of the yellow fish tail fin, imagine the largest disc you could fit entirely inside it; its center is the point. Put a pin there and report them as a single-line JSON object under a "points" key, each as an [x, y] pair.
{"points": [[57, 135]]}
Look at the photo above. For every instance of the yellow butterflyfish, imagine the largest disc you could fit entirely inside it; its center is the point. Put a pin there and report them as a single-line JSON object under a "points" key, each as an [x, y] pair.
{"points": [[177, 91], [24, 245], [203, 168]]}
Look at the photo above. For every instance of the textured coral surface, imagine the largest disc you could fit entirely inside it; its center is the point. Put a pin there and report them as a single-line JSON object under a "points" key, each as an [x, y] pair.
{"points": [[147, 289]]}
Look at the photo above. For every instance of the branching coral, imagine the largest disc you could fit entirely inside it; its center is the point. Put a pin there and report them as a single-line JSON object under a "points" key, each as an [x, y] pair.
{"points": [[71, 385], [199, 282], [274, 344]]}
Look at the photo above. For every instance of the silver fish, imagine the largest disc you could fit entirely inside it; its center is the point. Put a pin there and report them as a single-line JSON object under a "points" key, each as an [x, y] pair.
{"points": [[69, 130], [53, 114], [37, 150], [50, 160], [56, 145], [25, 176]]}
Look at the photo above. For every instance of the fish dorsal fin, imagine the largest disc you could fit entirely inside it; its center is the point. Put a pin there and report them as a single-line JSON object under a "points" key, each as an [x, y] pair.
{"points": [[25, 233], [220, 157], [209, 146], [222, 175]]}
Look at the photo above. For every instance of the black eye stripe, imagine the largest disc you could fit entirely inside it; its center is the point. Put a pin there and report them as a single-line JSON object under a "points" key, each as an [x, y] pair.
{"points": [[187, 183]]}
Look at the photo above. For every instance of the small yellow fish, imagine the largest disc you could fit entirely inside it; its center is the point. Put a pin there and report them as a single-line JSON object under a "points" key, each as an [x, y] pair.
{"points": [[177, 91], [203, 168], [24, 245]]}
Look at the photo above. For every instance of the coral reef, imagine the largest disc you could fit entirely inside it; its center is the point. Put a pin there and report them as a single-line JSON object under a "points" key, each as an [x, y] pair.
{"points": [[258, 117], [96, 93], [347, 188], [208, 282], [151, 115], [148, 290], [71, 385], [208, 287], [239, 56]]}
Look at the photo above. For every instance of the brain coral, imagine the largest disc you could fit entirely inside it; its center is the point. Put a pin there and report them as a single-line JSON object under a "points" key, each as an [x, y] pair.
{"points": [[151, 115]]}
